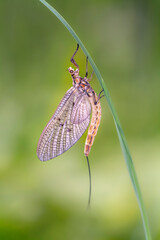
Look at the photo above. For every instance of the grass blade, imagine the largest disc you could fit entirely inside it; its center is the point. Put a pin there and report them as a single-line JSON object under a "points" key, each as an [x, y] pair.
{"points": [[123, 142]]}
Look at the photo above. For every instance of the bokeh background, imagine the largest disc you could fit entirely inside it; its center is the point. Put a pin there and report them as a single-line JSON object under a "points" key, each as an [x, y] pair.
{"points": [[48, 200]]}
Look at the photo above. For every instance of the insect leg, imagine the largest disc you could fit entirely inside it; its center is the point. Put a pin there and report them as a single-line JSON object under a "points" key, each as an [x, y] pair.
{"points": [[72, 58], [86, 67], [101, 92], [99, 96]]}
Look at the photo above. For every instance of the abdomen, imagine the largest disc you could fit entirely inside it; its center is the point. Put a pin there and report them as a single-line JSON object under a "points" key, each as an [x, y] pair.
{"points": [[93, 128]]}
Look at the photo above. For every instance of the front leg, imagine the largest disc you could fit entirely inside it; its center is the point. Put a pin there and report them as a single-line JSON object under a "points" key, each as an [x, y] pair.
{"points": [[72, 58]]}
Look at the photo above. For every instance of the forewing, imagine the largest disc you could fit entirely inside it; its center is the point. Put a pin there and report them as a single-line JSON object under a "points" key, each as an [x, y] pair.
{"points": [[61, 133], [81, 110]]}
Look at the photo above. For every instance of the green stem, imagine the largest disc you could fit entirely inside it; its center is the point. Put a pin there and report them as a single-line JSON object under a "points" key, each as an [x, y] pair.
{"points": [[122, 139]]}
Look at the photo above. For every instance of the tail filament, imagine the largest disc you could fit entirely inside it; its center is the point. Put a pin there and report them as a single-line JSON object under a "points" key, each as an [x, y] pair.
{"points": [[89, 170]]}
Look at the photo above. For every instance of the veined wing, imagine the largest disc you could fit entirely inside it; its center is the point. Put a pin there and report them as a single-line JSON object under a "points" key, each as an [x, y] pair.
{"points": [[81, 109], [61, 132]]}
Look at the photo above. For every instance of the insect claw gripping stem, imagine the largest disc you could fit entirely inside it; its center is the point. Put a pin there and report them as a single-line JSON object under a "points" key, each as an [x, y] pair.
{"points": [[99, 96], [72, 58]]}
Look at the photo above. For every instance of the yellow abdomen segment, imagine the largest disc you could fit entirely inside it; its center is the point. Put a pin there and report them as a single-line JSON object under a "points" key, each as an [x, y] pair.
{"points": [[93, 128]]}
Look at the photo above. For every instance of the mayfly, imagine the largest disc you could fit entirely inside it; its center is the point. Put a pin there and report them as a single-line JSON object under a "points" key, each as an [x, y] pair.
{"points": [[72, 118]]}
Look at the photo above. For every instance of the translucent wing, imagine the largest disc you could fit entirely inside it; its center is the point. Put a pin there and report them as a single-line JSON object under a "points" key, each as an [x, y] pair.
{"points": [[62, 132], [81, 109]]}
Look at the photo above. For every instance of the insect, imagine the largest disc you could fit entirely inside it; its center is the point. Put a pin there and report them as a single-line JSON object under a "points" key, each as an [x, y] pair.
{"points": [[72, 118]]}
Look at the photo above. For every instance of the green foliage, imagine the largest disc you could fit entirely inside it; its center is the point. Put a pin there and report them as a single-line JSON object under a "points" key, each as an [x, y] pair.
{"points": [[48, 200]]}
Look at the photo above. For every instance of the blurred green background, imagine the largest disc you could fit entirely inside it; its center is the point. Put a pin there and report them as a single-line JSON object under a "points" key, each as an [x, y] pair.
{"points": [[48, 200]]}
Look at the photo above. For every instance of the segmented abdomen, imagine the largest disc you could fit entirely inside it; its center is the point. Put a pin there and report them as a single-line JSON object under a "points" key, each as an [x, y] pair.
{"points": [[93, 128]]}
